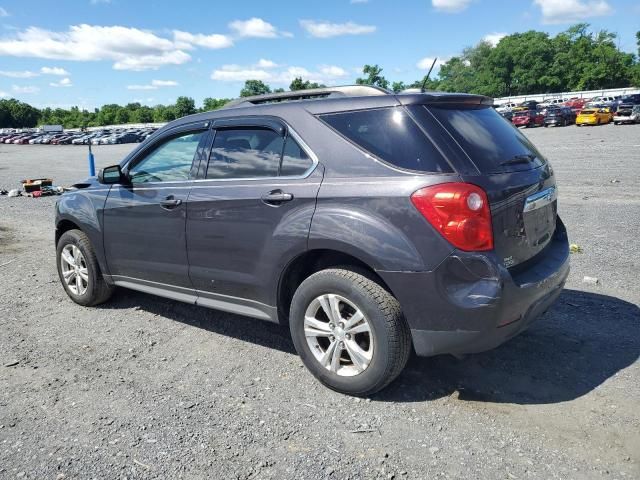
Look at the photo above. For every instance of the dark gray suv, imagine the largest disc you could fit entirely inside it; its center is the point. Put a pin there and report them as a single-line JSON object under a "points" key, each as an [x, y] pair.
{"points": [[370, 223]]}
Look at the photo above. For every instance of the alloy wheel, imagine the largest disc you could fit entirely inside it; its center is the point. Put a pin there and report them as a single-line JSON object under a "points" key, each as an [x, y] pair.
{"points": [[74, 269], [339, 335]]}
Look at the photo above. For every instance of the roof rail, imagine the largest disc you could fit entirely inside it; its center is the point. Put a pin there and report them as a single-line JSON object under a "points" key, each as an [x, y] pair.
{"points": [[341, 91]]}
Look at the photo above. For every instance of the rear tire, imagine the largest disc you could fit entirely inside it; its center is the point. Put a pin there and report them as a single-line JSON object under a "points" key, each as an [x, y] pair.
{"points": [[356, 359], [79, 271]]}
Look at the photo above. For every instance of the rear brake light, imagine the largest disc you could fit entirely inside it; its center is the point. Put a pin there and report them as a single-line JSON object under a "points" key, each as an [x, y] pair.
{"points": [[459, 212]]}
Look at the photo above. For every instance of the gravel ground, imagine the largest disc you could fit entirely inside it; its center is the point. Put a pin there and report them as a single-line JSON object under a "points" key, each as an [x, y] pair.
{"points": [[144, 387]]}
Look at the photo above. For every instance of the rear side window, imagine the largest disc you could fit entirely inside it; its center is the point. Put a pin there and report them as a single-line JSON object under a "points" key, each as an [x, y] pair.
{"points": [[391, 135], [245, 153], [493, 145]]}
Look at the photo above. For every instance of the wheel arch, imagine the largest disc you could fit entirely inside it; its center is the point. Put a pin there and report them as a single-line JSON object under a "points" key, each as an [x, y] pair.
{"points": [[312, 261]]}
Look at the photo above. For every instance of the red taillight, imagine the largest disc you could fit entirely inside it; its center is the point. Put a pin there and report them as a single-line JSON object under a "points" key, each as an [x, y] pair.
{"points": [[460, 212]]}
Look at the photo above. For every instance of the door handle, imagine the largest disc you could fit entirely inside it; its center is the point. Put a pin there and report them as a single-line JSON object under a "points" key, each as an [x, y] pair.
{"points": [[170, 202], [276, 197]]}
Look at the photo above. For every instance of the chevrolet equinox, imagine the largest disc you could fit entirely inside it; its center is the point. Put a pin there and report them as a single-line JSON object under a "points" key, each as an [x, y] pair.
{"points": [[370, 223]]}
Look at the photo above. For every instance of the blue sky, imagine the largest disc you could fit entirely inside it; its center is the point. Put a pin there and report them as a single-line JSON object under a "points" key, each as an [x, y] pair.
{"points": [[92, 52]]}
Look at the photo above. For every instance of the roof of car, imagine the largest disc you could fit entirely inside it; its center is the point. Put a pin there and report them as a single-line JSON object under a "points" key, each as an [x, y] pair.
{"points": [[327, 100]]}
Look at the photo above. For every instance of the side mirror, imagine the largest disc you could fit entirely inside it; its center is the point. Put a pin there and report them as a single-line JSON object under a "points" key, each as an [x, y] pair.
{"points": [[110, 175]]}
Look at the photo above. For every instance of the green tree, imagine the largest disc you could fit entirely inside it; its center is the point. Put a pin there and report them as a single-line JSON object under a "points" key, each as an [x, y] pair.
{"points": [[254, 87], [209, 103], [373, 77], [184, 106], [299, 84]]}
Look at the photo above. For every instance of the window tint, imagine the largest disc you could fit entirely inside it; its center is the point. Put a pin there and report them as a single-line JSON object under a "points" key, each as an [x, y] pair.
{"points": [[170, 161], [391, 135], [492, 144], [295, 161], [245, 153]]}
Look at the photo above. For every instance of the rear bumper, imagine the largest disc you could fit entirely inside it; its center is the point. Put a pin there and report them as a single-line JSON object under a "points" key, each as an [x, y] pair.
{"points": [[471, 302]]}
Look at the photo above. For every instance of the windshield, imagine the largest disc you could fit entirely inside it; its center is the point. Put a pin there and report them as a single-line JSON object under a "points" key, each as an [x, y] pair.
{"points": [[492, 143], [588, 112]]}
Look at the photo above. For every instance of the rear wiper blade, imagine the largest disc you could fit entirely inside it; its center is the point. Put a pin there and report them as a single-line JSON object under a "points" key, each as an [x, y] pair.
{"points": [[524, 158]]}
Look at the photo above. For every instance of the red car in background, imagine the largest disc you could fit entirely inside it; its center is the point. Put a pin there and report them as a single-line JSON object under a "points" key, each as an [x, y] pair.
{"points": [[528, 118], [576, 104]]}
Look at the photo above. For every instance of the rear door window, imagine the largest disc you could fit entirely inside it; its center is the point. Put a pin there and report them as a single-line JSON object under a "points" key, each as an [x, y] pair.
{"points": [[390, 135], [493, 145], [245, 153]]}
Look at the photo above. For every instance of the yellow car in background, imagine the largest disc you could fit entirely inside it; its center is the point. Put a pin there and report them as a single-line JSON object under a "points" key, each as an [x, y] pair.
{"points": [[593, 116]]}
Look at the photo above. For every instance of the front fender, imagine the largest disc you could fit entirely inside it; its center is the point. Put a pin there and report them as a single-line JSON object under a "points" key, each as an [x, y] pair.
{"points": [[84, 208]]}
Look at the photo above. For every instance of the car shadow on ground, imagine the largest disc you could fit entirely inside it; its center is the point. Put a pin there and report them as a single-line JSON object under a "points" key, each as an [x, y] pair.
{"points": [[585, 339]]}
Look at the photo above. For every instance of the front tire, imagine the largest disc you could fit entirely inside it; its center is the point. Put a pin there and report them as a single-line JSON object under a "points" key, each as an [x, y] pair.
{"points": [[79, 271], [349, 331]]}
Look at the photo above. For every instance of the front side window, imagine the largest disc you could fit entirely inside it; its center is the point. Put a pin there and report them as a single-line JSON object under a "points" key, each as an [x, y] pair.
{"points": [[169, 162]]}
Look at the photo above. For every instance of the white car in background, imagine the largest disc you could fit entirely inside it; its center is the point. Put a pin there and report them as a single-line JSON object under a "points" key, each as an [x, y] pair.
{"points": [[506, 107]]}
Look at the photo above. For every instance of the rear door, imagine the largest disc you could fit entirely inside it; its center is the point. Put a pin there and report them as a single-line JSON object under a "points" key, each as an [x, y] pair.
{"points": [[144, 221], [516, 177], [249, 212]]}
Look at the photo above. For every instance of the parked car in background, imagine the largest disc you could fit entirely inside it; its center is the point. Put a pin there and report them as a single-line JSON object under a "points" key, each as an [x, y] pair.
{"points": [[559, 116], [576, 104], [633, 99], [528, 118], [627, 113], [607, 101], [529, 105], [592, 116]]}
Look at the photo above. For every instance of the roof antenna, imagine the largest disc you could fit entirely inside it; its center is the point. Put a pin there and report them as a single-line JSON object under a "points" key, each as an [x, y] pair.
{"points": [[424, 82]]}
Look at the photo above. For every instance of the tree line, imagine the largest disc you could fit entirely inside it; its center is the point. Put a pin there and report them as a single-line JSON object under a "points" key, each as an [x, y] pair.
{"points": [[519, 64]]}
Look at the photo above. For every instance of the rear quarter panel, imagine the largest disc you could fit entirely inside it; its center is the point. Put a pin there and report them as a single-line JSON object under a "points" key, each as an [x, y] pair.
{"points": [[374, 220]]}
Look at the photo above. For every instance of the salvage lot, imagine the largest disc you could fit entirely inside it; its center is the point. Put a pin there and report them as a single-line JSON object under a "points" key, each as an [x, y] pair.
{"points": [[144, 387]]}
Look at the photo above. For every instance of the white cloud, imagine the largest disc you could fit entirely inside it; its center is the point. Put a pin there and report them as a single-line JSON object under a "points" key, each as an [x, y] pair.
{"points": [[236, 73], [129, 48], [567, 11], [494, 38], [326, 74], [425, 63], [141, 87], [333, 71], [154, 85], [256, 28], [25, 89], [164, 83], [326, 30], [264, 63], [65, 82], [450, 6], [3, 13], [3, 94], [15, 74], [54, 71], [214, 41]]}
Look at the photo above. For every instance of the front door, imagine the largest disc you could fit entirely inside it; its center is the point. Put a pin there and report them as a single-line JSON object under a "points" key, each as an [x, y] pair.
{"points": [[144, 221]]}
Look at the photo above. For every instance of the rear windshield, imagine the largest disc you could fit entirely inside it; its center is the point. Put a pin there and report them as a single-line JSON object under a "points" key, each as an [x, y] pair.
{"points": [[491, 142], [392, 136], [588, 112]]}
